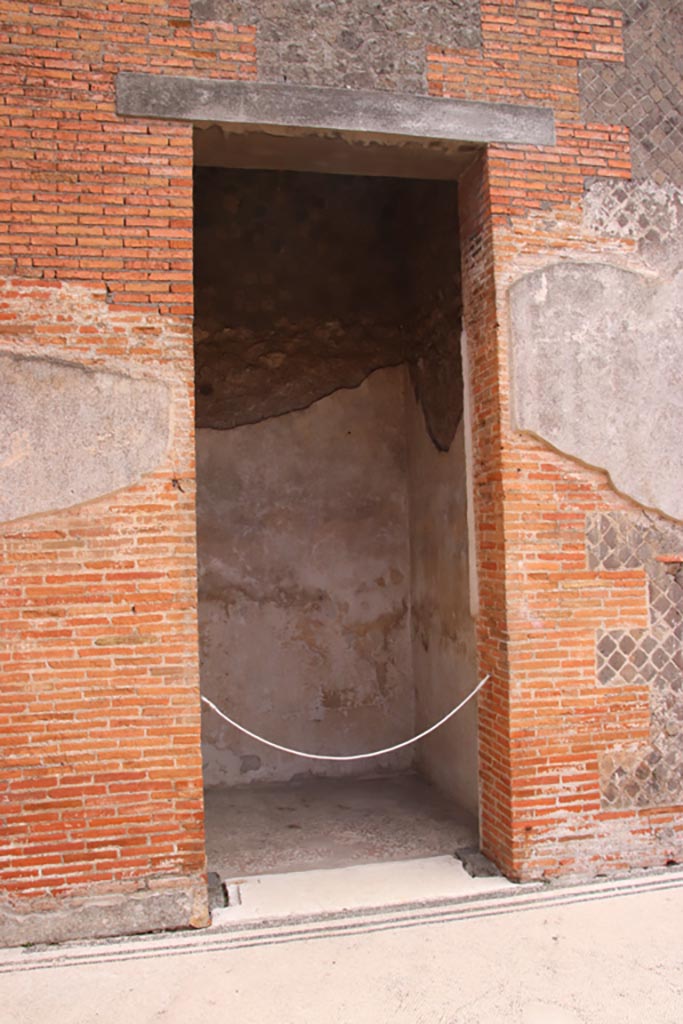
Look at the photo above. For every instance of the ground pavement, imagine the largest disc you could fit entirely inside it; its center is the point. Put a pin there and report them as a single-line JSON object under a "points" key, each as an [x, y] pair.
{"points": [[599, 953]]}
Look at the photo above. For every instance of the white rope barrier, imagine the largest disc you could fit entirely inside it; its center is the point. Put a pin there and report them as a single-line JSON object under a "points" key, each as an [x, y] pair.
{"points": [[350, 757]]}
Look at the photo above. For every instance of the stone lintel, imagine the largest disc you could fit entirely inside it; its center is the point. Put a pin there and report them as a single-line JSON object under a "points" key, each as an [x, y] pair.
{"points": [[205, 101]]}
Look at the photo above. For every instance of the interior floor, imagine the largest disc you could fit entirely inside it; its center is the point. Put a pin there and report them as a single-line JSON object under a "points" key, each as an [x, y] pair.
{"points": [[327, 823]]}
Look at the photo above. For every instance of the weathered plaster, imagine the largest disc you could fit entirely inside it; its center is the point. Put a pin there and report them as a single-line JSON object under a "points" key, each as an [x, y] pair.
{"points": [[443, 641], [307, 285], [70, 434], [597, 373], [304, 584]]}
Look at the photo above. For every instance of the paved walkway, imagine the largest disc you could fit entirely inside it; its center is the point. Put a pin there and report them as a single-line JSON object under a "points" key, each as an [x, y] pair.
{"points": [[606, 953]]}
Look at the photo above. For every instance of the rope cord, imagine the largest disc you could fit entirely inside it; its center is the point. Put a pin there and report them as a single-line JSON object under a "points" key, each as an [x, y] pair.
{"points": [[350, 757]]}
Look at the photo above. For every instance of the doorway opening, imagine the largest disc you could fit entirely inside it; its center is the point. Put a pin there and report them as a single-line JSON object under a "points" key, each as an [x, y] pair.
{"points": [[334, 601]]}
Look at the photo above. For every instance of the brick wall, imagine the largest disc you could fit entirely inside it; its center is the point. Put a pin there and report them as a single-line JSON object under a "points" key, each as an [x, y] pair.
{"points": [[100, 779], [555, 735]]}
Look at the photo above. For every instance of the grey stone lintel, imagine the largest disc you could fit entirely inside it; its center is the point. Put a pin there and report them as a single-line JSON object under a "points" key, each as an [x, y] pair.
{"points": [[205, 101]]}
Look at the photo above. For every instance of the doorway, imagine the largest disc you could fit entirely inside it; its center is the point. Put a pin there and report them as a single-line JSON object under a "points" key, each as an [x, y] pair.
{"points": [[332, 517]]}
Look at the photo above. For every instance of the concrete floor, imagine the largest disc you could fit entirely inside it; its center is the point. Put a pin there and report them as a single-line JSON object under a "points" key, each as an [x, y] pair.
{"points": [[330, 823]]}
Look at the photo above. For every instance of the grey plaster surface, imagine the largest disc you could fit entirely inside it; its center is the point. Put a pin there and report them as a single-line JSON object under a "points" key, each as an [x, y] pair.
{"points": [[597, 373], [70, 434], [216, 101], [312, 823]]}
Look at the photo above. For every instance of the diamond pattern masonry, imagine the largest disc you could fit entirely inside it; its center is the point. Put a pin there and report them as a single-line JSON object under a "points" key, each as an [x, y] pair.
{"points": [[653, 657], [650, 214], [646, 91]]}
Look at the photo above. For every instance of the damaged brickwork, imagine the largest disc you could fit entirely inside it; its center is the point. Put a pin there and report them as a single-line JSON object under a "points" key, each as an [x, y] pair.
{"points": [[100, 781], [645, 94], [547, 207]]}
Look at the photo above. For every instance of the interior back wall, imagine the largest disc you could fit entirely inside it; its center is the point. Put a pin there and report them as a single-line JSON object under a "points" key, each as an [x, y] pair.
{"points": [[304, 585]]}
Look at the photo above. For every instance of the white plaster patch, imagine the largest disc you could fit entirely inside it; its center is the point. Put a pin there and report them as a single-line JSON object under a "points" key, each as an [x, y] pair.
{"points": [[69, 434], [597, 373]]}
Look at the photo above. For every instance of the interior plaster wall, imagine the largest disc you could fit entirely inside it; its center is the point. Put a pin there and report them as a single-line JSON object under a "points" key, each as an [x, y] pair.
{"points": [[304, 584], [443, 641], [331, 473], [334, 602]]}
